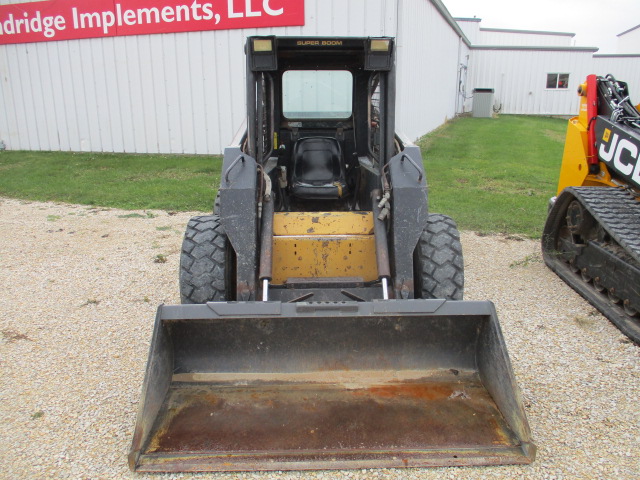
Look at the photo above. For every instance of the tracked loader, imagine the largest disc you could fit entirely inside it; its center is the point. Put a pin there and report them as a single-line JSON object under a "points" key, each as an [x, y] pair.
{"points": [[322, 324], [592, 235]]}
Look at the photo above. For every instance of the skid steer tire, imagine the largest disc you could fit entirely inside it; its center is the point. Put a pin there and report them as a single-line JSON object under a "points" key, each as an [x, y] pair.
{"points": [[205, 262], [438, 261]]}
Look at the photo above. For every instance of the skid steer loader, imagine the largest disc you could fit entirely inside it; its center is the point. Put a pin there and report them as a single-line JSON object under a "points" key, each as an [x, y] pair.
{"points": [[591, 238], [321, 324]]}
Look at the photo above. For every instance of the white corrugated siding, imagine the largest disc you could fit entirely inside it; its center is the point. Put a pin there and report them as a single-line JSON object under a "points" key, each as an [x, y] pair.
{"points": [[184, 93], [519, 79], [471, 28], [170, 93], [428, 58], [629, 41], [523, 38], [625, 68], [158, 93]]}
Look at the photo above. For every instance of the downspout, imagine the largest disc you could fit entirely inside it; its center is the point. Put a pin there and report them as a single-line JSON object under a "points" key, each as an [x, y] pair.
{"points": [[458, 77]]}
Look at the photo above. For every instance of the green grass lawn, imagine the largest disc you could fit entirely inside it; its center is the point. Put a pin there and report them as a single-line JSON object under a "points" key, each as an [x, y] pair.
{"points": [[495, 175], [490, 175], [164, 182]]}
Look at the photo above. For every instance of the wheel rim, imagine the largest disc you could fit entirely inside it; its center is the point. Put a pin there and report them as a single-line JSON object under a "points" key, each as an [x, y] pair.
{"points": [[612, 296], [597, 285], [579, 221], [565, 247], [574, 217], [632, 312]]}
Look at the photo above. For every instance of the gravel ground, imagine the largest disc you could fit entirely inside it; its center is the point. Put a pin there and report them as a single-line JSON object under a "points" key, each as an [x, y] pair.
{"points": [[80, 287]]}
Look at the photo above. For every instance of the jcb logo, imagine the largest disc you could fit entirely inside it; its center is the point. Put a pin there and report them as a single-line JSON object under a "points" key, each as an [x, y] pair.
{"points": [[623, 153]]}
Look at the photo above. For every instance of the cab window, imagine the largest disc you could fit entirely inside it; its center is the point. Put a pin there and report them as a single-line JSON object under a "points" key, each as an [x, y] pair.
{"points": [[317, 94]]}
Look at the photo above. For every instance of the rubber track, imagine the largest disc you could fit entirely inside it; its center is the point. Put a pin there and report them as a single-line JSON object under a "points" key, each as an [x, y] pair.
{"points": [[619, 214], [616, 211]]}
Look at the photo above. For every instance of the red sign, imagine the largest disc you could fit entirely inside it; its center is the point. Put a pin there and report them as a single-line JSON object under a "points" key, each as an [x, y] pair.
{"points": [[73, 19]]}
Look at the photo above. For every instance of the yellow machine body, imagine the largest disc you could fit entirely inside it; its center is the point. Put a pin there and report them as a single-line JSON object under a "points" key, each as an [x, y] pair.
{"points": [[575, 168], [323, 245]]}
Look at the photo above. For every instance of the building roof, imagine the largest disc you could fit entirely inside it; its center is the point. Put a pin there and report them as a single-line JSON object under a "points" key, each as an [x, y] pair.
{"points": [[532, 47], [450, 20], [627, 31], [617, 55], [535, 32]]}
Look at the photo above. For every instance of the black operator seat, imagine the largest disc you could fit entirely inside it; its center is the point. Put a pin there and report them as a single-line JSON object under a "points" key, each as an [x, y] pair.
{"points": [[318, 169]]}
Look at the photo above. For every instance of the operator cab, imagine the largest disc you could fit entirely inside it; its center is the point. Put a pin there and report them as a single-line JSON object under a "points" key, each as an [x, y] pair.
{"points": [[316, 128]]}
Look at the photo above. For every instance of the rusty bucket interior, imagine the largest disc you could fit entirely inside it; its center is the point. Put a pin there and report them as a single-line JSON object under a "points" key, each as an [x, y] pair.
{"points": [[274, 386]]}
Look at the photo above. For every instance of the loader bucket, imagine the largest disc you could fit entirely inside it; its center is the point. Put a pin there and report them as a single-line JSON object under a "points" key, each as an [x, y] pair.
{"points": [[307, 386]]}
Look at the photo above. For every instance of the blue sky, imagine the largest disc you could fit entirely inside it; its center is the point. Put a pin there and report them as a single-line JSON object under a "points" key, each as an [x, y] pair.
{"points": [[595, 22]]}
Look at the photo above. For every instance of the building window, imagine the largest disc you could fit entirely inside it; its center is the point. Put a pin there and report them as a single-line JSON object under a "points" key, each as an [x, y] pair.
{"points": [[557, 80]]}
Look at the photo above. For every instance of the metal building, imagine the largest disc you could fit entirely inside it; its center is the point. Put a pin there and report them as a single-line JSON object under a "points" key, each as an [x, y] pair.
{"points": [[184, 93], [520, 77], [629, 41], [501, 36], [479, 36], [624, 67], [537, 73]]}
